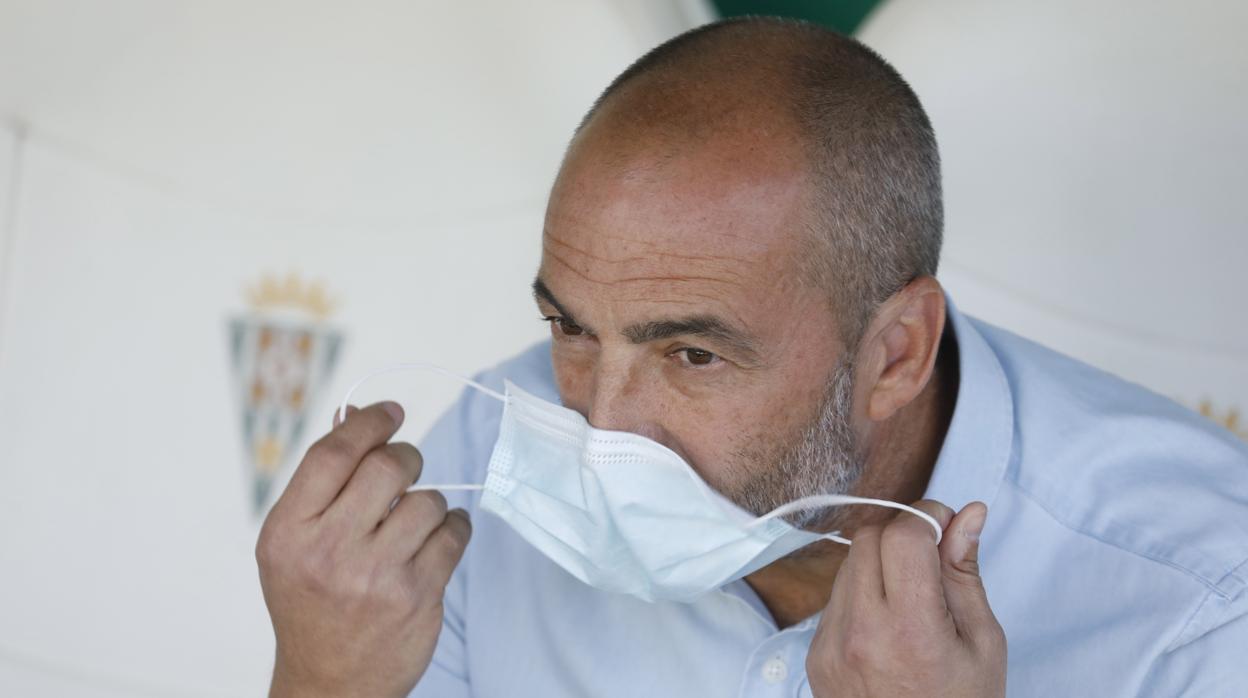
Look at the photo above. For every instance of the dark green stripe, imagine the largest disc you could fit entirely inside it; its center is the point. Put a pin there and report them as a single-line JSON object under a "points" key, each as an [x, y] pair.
{"points": [[842, 15]]}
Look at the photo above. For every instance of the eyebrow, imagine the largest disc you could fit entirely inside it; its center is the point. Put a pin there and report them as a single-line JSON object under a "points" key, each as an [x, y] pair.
{"points": [[542, 293], [707, 326]]}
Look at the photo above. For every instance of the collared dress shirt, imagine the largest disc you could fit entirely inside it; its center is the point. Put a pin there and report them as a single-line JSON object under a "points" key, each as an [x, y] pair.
{"points": [[1114, 554]]}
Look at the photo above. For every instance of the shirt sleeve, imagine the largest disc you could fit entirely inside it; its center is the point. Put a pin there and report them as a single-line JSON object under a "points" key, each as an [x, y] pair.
{"points": [[1213, 664]]}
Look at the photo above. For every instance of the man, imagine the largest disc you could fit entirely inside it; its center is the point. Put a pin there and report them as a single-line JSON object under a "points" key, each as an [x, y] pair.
{"points": [[738, 263]]}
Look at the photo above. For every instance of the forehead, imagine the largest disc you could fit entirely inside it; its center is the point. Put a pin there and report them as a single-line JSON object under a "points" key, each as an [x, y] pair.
{"points": [[717, 222]]}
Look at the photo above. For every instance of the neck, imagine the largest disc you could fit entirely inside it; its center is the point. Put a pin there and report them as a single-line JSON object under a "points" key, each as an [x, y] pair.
{"points": [[899, 466]]}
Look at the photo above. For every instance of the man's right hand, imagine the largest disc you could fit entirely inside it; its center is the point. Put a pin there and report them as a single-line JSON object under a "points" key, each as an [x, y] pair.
{"points": [[355, 588]]}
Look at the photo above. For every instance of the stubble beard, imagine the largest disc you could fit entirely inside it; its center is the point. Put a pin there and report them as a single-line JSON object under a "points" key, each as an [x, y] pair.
{"points": [[824, 460]]}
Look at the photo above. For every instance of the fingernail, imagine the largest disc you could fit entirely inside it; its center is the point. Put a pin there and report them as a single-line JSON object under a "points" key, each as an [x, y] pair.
{"points": [[973, 528], [395, 412]]}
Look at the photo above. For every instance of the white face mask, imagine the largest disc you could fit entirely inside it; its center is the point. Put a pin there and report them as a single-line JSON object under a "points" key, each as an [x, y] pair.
{"points": [[621, 512]]}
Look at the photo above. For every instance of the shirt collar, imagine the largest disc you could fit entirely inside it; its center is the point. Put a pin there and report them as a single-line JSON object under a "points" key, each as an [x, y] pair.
{"points": [[977, 446]]}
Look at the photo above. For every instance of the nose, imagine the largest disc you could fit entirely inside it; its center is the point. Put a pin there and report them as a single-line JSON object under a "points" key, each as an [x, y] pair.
{"points": [[623, 400]]}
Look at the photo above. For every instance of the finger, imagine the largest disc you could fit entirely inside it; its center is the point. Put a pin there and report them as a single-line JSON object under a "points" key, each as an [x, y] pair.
{"points": [[338, 415], [964, 588], [861, 569], [442, 551], [910, 561], [380, 479], [330, 461], [411, 522]]}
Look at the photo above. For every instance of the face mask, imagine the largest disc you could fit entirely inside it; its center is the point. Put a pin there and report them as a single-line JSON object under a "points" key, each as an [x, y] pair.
{"points": [[621, 512]]}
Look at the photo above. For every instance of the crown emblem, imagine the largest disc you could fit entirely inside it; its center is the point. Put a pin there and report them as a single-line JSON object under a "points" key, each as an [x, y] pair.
{"points": [[1230, 419], [290, 293]]}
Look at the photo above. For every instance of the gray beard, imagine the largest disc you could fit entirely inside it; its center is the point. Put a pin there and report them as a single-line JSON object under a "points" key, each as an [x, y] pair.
{"points": [[825, 460]]}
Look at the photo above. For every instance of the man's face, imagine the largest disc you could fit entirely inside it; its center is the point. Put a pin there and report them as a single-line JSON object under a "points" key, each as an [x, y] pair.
{"points": [[678, 312]]}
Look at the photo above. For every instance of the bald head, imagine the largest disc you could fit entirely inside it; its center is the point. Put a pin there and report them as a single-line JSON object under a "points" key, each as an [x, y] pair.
{"points": [[799, 100]]}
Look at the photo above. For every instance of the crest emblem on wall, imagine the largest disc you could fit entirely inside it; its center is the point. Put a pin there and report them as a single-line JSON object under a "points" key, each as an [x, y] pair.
{"points": [[283, 351], [1228, 420]]}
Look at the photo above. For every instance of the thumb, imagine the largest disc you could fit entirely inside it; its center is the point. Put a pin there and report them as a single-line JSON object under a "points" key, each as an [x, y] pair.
{"points": [[959, 565]]}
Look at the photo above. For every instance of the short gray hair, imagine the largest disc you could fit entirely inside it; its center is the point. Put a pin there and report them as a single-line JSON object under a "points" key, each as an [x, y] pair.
{"points": [[877, 218]]}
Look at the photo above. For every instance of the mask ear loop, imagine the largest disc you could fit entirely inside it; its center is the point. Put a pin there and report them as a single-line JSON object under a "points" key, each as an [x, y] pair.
{"points": [[819, 501], [421, 366]]}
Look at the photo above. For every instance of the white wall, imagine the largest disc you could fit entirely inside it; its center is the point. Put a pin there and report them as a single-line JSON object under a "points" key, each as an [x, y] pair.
{"points": [[400, 152], [1095, 156], [10, 163]]}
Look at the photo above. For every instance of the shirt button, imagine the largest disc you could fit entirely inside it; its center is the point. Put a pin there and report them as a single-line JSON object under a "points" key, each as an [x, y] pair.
{"points": [[775, 670]]}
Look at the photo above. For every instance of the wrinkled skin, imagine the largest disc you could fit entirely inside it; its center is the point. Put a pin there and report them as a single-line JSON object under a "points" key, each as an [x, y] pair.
{"points": [[908, 618], [355, 588]]}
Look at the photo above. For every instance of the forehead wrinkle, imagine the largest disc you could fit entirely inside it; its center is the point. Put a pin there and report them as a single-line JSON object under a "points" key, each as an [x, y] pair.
{"points": [[550, 239], [571, 267], [674, 279], [663, 247], [714, 302], [734, 278]]}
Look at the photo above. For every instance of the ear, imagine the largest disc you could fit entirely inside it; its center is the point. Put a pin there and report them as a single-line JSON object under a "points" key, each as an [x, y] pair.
{"points": [[899, 347]]}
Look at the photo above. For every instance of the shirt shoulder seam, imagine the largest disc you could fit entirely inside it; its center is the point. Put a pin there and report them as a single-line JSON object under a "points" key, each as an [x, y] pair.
{"points": [[1213, 586]]}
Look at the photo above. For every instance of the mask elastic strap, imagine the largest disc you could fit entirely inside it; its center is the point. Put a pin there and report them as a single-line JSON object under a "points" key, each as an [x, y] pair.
{"points": [[416, 366], [818, 501], [418, 488], [421, 366]]}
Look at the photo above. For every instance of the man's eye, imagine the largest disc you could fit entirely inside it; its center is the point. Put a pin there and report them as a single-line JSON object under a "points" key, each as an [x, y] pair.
{"points": [[568, 328], [699, 357]]}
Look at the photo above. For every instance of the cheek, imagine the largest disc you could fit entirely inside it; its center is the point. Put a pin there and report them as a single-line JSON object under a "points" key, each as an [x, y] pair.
{"points": [[731, 440], [573, 376], [713, 434]]}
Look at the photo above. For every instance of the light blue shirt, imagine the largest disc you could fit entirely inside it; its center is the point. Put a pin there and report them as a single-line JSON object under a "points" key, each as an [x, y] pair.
{"points": [[1114, 554]]}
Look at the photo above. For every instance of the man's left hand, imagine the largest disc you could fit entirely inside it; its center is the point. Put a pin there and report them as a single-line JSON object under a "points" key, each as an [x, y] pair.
{"points": [[908, 617]]}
